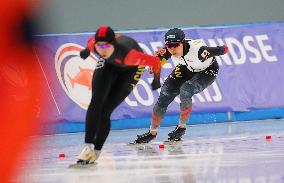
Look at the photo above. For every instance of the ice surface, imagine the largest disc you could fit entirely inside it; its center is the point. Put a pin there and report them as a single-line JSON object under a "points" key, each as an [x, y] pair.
{"points": [[210, 153]]}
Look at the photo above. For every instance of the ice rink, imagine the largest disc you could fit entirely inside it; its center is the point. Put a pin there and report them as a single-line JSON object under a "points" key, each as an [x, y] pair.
{"points": [[210, 153]]}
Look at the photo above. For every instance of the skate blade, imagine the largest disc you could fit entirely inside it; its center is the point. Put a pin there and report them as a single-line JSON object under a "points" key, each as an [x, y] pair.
{"points": [[137, 144], [80, 165], [172, 142]]}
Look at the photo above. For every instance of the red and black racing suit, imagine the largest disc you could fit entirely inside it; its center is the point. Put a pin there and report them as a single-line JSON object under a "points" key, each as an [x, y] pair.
{"points": [[111, 84]]}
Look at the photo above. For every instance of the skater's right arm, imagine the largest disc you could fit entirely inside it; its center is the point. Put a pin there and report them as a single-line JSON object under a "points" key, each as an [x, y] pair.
{"points": [[163, 54]]}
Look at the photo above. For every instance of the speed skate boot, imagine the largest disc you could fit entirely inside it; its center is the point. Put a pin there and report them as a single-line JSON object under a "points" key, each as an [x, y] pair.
{"points": [[176, 134], [145, 138], [88, 155]]}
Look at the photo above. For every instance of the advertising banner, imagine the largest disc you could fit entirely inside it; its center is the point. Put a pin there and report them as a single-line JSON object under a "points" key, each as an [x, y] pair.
{"points": [[250, 75]]}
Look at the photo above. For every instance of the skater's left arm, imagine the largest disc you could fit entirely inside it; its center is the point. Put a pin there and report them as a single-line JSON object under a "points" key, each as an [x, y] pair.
{"points": [[135, 58], [206, 52]]}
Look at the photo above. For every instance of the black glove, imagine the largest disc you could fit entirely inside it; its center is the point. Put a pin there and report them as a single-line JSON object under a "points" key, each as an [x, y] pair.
{"points": [[156, 82], [84, 53]]}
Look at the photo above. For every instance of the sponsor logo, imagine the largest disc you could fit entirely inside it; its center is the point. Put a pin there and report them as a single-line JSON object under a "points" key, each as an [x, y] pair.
{"points": [[75, 74], [171, 36]]}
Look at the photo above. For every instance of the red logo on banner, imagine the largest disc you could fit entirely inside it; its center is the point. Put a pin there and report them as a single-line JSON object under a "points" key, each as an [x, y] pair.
{"points": [[75, 74]]}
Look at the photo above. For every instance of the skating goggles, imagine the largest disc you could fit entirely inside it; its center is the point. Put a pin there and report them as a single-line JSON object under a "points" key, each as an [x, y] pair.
{"points": [[103, 45], [172, 44]]}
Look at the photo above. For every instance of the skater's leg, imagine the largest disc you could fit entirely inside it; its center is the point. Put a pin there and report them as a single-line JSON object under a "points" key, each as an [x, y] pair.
{"points": [[103, 79], [197, 84], [120, 90], [185, 110], [194, 86], [167, 95], [185, 103], [169, 91]]}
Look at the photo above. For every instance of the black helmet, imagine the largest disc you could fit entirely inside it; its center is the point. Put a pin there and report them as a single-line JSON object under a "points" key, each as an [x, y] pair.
{"points": [[105, 33], [174, 35]]}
